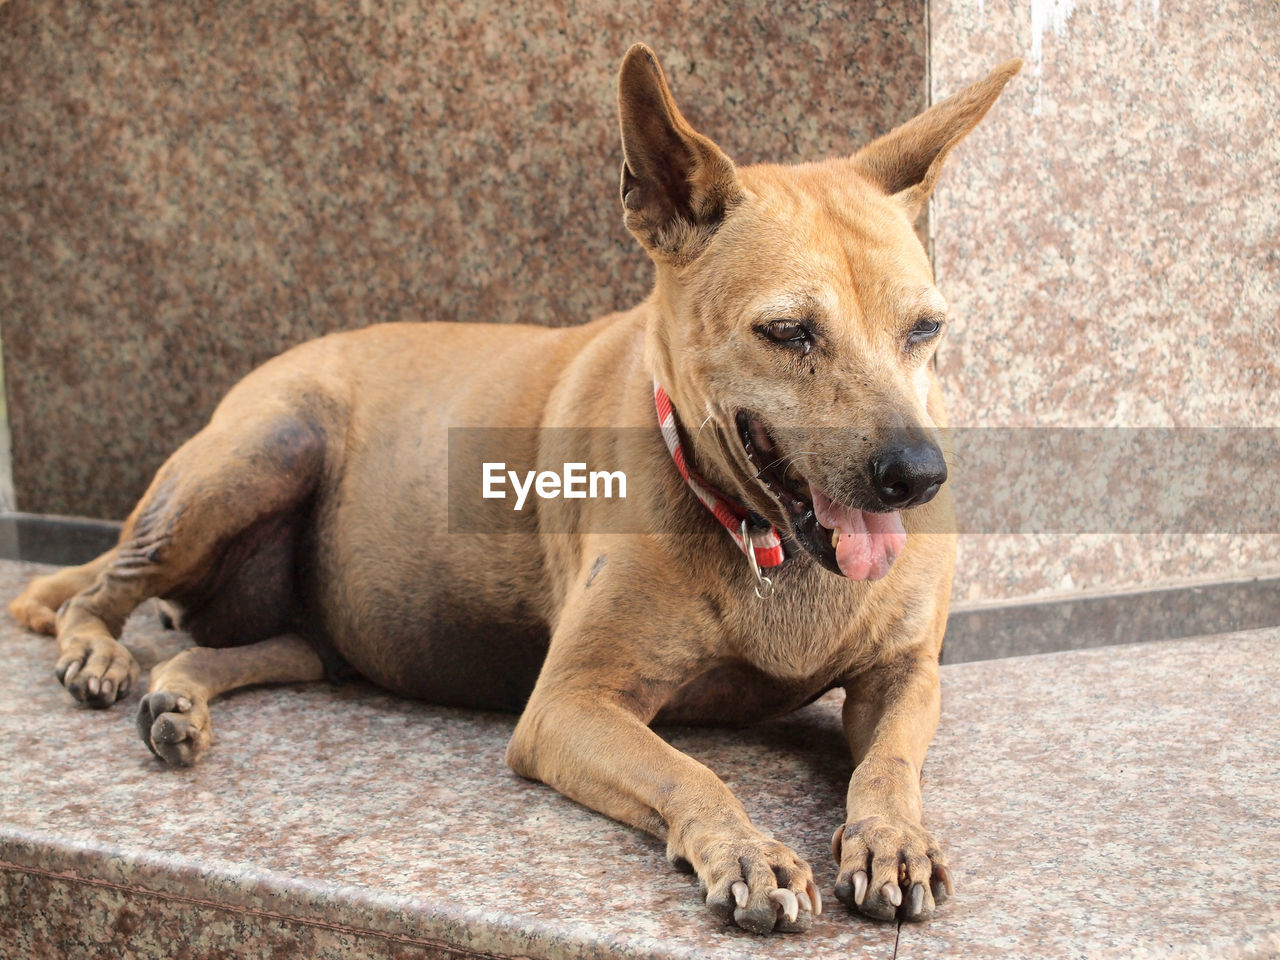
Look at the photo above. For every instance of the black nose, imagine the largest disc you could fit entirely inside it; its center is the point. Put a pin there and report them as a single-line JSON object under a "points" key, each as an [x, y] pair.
{"points": [[905, 474]]}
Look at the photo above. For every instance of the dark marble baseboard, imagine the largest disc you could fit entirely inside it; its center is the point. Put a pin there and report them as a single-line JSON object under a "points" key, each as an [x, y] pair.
{"points": [[47, 539], [988, 633], [1136, 616]]}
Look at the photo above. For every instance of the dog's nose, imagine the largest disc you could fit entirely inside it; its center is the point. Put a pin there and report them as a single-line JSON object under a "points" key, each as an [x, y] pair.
{"points": [[908, 473]]}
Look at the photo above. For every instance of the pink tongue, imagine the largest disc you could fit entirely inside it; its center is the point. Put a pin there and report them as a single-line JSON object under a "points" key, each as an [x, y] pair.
{"points": [[869, 542]]}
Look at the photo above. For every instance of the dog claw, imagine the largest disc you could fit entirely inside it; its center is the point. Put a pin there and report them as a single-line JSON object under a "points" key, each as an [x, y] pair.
{"points": [[917, 900], [892, 893], [859, 887], [837, 842], [815, 895], [787, 901], [805, 903], [941, 883], [741, 893]]}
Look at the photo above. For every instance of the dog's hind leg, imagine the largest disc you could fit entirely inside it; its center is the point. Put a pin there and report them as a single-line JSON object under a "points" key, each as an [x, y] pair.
{"points": [[255, 464], [36, 608], [173, 718]]}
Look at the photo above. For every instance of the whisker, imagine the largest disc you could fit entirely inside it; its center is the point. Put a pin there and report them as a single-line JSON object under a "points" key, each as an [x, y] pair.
{"points": [[789, 456], [701, 425]]}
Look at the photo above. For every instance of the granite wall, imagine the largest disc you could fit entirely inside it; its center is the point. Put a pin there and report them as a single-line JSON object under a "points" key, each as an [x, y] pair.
{"points": [[1108, 240], [189, 188]]}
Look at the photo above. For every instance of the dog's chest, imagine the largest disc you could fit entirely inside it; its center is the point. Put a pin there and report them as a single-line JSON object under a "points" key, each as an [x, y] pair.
{"points": [[764, 671], [797, 635], [809, 637], [737, 693]]}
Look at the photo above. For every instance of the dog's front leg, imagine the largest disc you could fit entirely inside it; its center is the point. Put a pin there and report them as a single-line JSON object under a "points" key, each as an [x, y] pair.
{"points": [[890, 866], [585, 732]]}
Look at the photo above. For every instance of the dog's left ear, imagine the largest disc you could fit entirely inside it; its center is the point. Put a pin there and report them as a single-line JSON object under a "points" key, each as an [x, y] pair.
{"points": [[676, 184], [906, 162]]}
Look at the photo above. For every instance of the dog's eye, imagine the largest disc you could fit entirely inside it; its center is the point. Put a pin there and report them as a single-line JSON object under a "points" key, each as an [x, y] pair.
{"points": [[925, 329], [789, 333]]}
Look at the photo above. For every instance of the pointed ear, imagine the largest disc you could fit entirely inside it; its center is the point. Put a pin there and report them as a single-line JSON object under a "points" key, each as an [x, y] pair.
{"points": [[676, 184], [906, 162]]}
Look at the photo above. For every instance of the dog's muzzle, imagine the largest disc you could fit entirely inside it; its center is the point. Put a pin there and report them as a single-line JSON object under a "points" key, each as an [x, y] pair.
{"points": [[857, 542]]}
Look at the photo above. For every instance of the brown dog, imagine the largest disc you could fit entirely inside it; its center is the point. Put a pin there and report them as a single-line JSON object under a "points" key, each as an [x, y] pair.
{"points": [[792, 327]]}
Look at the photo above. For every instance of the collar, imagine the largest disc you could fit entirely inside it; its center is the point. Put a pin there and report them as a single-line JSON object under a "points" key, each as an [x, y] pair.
{"points": [[754, 536]]}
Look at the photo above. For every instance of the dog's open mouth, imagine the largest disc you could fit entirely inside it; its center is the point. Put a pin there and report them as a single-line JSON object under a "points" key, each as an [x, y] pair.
{"points": [[855, 543]]}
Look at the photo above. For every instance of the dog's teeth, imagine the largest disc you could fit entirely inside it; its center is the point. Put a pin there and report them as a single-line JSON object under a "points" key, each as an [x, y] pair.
{"points": [[835, 539]]}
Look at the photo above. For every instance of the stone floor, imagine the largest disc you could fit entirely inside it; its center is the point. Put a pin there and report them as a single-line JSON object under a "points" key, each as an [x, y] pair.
{"points": [[1111, 802]]}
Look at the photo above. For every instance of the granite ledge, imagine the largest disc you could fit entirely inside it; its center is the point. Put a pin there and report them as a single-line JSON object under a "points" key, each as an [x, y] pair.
{"points": [[1105, 802]]}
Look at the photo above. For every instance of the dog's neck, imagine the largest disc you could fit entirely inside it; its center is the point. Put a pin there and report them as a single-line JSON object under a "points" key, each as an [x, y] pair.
{"points": [[753, 535], [695, 409]]}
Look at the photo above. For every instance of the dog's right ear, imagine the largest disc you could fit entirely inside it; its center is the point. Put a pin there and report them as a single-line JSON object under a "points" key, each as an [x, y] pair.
{"points": [[906, 162], [676, 184]]}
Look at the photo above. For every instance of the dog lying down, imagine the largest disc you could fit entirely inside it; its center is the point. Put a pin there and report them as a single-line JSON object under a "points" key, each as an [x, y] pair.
{"points": [[781, 407]]}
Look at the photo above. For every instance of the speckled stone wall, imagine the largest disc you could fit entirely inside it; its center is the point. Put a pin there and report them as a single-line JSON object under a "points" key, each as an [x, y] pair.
{"points": [[1108, 242], [189, 188]]}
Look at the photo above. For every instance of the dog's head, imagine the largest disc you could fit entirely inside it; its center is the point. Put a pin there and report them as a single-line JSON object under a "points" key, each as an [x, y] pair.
{"points": [[796, 318]]}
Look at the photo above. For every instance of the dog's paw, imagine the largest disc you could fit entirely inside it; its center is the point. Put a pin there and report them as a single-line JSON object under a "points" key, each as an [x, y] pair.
{"points": [[31, 609], [97, 670], [761, 885], [175, 726], [889, 870]]}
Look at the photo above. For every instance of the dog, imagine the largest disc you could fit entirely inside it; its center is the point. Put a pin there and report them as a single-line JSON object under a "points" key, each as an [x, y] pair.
{"points": [[780, 404]]}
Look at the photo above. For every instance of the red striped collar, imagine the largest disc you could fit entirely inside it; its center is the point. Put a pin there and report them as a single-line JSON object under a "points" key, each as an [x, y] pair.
{"points": [[766, 544]]}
